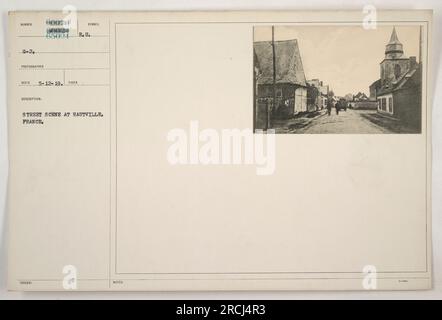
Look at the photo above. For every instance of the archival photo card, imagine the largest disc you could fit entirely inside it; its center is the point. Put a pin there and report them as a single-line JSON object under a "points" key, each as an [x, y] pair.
{"points": [[158, 151]]}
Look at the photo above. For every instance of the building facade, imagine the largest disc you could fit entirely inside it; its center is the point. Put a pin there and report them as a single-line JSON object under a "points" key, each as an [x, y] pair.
{"points": [[317, 95], [291, 85]]}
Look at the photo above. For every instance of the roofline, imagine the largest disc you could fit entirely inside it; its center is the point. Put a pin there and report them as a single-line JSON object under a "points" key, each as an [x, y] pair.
{"points": [[394, 59], [387, 51], [293, 84], [288, 40], [390, 91]]}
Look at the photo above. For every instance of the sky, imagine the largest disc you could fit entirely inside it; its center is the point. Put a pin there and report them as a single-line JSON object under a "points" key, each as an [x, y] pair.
{"points": [[346, 58]]}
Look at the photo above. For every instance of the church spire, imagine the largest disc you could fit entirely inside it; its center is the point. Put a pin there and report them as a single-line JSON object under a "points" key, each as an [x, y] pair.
{"points": [[394, 38], [393, 49]]}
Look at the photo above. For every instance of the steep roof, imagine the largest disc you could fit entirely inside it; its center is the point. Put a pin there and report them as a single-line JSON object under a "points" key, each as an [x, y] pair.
{"points": [[409, 79], [361, 95], [405, 79], [289, 67], [376, 84]]}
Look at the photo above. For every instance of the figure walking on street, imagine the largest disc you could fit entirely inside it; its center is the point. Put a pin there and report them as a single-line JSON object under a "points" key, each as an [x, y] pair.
{"points": [[329, 106], [338, 107]]}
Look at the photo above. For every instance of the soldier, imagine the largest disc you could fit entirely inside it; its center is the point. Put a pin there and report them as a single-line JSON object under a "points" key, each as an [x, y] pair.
{"points": [[329, 106]]}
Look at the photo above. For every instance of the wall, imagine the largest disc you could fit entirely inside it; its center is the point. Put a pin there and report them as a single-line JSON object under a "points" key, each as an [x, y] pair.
{"points": [[409, 108]]}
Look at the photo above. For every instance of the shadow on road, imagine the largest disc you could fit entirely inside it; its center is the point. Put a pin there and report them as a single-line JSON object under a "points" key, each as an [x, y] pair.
{"points": [[389, 123], [298, 121]]}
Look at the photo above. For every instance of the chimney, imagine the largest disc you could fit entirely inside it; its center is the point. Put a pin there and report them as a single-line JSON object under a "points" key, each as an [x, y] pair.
{"points": [[413, 63]]}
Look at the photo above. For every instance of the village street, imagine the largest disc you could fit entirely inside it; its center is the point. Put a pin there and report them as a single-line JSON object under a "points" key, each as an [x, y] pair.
{"points": [[290, 102], [350, 121]]}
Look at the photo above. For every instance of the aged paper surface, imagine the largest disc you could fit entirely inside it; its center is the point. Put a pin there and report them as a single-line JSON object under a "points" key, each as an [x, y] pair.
{"points": [[219, 151]]}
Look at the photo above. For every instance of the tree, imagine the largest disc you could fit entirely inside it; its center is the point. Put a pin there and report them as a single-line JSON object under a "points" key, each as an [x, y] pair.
{"points": [[349, 97]]}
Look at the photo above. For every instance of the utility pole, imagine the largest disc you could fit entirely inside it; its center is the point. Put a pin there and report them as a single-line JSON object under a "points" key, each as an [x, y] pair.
{"points": [[420, 45], [269, 113]]}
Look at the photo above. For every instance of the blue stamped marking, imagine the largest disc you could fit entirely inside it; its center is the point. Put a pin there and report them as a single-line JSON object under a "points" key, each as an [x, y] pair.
{"points": [[57, 29]]}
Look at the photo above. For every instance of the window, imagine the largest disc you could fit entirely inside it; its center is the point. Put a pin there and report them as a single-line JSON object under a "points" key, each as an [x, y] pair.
{"points": [[390, 104], [279, 93], [397, 71]]}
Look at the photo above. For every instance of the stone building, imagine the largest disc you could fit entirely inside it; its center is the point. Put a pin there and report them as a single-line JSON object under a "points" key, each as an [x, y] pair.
{"points": [[398, 91]]}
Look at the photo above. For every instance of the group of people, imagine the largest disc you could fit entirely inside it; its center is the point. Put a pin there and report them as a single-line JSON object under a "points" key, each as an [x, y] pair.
{"points": [[341, 104]]}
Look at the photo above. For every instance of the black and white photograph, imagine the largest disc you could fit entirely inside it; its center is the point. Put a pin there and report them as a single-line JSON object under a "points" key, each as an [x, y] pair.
{"points": [[338, 79]]}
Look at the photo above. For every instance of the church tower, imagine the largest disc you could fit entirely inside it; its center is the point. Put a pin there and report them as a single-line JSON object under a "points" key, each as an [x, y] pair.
{"points": [[395, 64]]}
